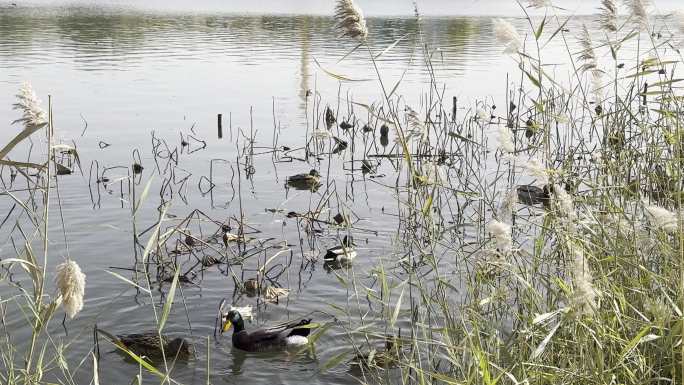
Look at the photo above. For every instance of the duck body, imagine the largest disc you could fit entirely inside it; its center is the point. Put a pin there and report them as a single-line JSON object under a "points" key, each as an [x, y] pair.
{"points": [[311, 176], [341, 253], [308, 181], [149, 344], [532, 195], [278, 337]]}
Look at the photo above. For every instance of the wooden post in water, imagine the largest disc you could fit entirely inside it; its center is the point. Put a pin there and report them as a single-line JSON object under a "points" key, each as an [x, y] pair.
{"points": [[220, 126]]}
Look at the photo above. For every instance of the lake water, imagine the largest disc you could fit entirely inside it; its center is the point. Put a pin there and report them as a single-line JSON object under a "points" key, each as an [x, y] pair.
{"points": [[117, 74]]}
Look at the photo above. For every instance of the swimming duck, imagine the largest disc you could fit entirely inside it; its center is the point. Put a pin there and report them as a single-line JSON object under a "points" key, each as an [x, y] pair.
{"points": [[308, 181], [342, 253], [277, 337], [311, 176], [147, 344], [532, 195]]}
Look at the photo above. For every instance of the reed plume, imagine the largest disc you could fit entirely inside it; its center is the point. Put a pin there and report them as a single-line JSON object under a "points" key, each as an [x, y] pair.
{"points": [[584, 293], [507, 35], [638, 12], [589, 62], [608, 15], [536, 169], [70, 281], [663, 218], [539, 3], [34, 117], [502, 235], [350, 20], [506, 142]]}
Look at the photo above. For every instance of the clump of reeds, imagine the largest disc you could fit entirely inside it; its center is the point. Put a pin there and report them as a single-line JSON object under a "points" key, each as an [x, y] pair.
{"points": [[350, 20]]}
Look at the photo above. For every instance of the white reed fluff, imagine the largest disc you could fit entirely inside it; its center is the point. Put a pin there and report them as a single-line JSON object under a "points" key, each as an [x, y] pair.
{"points": [[70, 281], [638, 12], [506, 140], [350, 20], [539, 3], [564, 201], [584, 293], [663, 218], [502, 234], [608, 15], [34, 116], [507, 35], [536, 169]]}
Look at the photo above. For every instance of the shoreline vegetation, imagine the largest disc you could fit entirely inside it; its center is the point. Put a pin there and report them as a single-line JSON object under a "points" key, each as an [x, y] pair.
{"points": [[539, 241]]}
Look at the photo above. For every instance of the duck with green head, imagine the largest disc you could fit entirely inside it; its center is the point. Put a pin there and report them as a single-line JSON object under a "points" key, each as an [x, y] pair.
{"points": [[278, 337]]}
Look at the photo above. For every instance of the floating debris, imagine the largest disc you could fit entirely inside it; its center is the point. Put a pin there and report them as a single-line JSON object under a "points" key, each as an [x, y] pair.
{"points": [[62, 170], [273, 294], [329, 117], [345, 125], [366, 166], [137, 168]]}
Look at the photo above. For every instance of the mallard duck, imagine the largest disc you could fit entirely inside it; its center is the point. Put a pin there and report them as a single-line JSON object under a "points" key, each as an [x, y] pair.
{"points": [[277, 337], [342, 253], [308, 181], [532, 195], [147, 344], [311, 176]]}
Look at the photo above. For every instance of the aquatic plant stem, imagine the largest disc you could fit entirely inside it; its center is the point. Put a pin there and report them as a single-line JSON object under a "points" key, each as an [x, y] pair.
{"points": [[38, 297], [400, 133]]}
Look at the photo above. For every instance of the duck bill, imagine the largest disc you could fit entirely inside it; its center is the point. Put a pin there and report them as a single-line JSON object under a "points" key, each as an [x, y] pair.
{"points": [[226, 326]]}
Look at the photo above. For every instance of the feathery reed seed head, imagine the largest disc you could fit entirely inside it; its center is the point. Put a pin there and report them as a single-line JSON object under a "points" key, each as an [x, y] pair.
{"points": [[638, 10], [70, 281], [584, 293], [502, 234], [608, 15], [350, 20], [27, 101], [507, 35], [564, 202], [506, 142], [539, 3], [663, 218], [536, 169]]}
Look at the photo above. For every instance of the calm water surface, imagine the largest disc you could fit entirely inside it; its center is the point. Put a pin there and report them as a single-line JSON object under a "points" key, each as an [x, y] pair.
{"points": [[117, 75]]}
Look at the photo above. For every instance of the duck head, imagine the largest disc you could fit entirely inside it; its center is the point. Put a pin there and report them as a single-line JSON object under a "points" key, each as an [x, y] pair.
{"points": [[234, 319], [314, 173]]}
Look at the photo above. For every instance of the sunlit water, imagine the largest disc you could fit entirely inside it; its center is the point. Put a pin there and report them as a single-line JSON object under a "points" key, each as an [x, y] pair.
{"points": [[116, 75]]}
